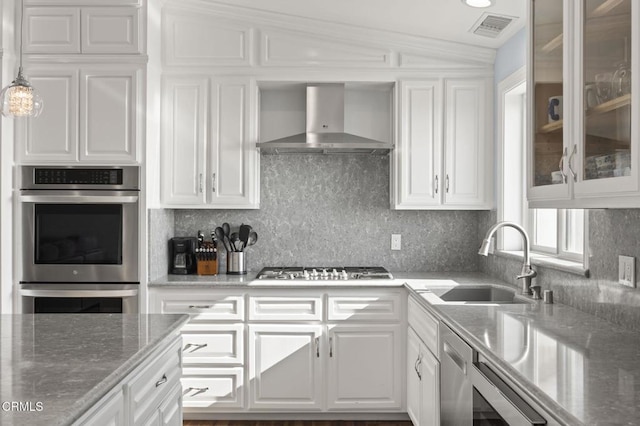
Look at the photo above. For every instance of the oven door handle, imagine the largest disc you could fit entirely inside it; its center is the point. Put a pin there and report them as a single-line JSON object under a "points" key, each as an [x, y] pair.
{"points": [[79, 199], [79, 293], [507, 403]]}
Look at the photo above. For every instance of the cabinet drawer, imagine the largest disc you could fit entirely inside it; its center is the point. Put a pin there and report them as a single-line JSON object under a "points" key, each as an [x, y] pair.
{"points": [[384, 307], [213, 388], [147, 390], [213, 344], [201, 306], [284, 308], [424, 324]]}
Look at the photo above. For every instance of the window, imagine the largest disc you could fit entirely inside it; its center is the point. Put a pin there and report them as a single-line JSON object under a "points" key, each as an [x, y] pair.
{"points": [[557, 233]]}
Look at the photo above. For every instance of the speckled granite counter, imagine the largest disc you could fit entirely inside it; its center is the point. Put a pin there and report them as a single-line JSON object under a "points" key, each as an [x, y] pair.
{"points": [[60, 365], [582, 369]]}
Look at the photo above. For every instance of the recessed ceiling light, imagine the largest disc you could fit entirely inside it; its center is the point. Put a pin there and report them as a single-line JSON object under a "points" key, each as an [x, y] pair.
{"points": [[478, 3]]}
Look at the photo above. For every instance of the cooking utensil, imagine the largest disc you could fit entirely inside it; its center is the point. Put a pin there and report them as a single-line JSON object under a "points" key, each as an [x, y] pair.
{"points": [[227, 229], [245, 230], [219, 232], [200, 239], [235, 238], [253, 238]]}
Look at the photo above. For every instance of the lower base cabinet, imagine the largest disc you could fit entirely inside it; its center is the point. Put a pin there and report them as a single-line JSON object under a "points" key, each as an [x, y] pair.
{"points": [[151, 395], [294, 351], [423, 383], [363, 368]]}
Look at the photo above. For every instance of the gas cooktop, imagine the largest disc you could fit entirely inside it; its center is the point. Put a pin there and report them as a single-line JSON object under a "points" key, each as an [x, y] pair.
{"points": [[325, 273]]}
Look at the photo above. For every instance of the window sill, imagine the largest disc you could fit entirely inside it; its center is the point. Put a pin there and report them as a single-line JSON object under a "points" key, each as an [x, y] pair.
{"points": [[550, 262]]}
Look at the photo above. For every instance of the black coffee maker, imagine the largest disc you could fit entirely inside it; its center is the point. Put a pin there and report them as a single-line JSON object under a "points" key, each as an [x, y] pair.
{"points": [[183, 260]]}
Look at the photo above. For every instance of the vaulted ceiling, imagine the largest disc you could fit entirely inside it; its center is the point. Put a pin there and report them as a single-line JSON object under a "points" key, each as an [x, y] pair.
{"points": [[441, 19]]}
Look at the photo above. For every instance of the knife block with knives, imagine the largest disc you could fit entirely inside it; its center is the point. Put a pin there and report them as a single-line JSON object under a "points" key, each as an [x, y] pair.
{"points": [[206, 256]]}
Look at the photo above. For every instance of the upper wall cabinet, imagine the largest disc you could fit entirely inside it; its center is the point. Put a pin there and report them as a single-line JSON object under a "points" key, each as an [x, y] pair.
{"points": [[443, 156], [92, 114], [74, 30], [208, 152], [583, 144]]}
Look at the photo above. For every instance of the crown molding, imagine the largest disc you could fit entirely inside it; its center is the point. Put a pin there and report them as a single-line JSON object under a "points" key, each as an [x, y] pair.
{"points": [[413, 46]]}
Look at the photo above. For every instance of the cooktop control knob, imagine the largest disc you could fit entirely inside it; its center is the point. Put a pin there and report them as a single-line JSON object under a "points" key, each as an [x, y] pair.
{"points": [[334, 274], [324, 274], [314, 273], [344, 275], [305, 274]]}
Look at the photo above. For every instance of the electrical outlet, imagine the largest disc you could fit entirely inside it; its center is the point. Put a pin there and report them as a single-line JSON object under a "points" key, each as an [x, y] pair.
{"points": [[396, 241], [627, 271]]}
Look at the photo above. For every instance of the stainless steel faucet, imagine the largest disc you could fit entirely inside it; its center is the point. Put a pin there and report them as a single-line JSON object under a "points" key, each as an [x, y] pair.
{"points": [[527, 274]]}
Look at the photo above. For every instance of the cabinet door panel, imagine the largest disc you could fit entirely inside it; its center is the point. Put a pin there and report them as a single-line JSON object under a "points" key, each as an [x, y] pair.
{"points": [[284, 367], [184, 101], [108, 117], [430, 389], [53, 136], [365, 367], [110, 30], [52, 30], [465, 142], [414, 392], [171, 408], [418, 157], [233, 156]]}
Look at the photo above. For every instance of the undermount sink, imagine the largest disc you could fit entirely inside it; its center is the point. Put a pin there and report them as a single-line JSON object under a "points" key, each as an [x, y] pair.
{"points": [[482, 294]]}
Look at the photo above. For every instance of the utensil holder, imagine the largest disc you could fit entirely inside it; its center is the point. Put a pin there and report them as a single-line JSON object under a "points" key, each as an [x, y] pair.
{"points": [[236, 263]]}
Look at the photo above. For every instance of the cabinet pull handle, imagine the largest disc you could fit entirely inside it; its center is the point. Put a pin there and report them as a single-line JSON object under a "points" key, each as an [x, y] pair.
{"points": [[330, 347], [447, 183], [561, 165], [437, 184], [197, 391], [416, 365], [573, 174], [213, 183], [199, 306], [200, 182], [162, 381], [317, 341], [195, 346]]}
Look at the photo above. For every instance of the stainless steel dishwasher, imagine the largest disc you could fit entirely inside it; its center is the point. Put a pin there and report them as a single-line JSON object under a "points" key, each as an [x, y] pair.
{"points": [[456, 396]]}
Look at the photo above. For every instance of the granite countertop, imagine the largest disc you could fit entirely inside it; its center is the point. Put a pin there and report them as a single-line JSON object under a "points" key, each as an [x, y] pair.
{"points": [[60, 365], [583, 370]]}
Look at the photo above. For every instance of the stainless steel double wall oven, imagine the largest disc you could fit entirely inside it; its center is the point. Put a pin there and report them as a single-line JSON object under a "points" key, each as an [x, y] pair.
{"points": [[80, 239]]}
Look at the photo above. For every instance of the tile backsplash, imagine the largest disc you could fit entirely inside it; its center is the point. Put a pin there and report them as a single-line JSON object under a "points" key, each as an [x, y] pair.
{"points": [[611, 233], [334, 210]]}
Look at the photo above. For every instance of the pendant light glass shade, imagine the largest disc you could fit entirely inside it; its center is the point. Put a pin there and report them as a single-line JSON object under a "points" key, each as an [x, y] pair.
{"points": [[20, 99]]}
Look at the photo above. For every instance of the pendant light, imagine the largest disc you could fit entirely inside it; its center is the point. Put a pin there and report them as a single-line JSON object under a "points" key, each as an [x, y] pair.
{"points": [[19, 99]]}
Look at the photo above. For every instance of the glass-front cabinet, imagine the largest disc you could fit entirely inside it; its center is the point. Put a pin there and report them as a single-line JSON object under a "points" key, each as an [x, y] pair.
{"points": [[583, 86]]}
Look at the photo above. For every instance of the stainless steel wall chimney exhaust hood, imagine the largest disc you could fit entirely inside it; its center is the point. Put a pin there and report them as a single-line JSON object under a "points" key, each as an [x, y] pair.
{"points": [[325, 128]]}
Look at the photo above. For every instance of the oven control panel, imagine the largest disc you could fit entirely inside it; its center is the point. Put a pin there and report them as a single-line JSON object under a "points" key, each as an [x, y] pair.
{"points": [[77, 176]]}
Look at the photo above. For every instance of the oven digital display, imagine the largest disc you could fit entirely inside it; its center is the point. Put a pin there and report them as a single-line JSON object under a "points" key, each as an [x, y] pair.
{"points": [[44, 176]]}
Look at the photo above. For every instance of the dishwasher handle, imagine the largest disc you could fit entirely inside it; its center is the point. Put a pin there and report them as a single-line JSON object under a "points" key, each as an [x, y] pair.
{"points": [[455, 357], [503, 398]]}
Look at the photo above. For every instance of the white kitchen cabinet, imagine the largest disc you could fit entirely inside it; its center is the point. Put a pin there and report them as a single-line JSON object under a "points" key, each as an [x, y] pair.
{"points": [[75, 30], [582, 141], [423, 382], [364, 367], [208, 149], [284, 367], [150, 395], [443, 157], [213, 347], [92, 114]]}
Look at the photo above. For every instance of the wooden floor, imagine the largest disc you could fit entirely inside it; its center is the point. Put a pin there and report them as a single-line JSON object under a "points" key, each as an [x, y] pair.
{"points": [[292, 423]]}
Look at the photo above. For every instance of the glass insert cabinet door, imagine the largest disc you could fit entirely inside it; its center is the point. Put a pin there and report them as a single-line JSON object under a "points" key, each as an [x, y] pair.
{"points": [[548, 150], [607, 89]]}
